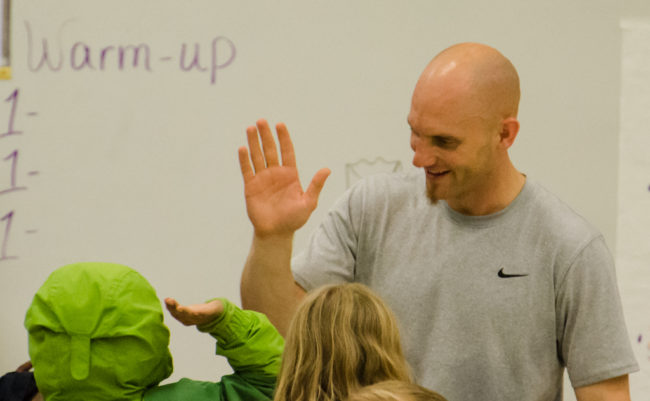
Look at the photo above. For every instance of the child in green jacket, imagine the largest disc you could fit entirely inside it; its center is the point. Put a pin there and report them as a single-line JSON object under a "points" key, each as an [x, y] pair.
{"points": [[96, 332]]}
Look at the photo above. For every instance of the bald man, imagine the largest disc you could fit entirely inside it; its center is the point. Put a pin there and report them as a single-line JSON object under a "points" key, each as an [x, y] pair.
{"points": [[498, 285]]}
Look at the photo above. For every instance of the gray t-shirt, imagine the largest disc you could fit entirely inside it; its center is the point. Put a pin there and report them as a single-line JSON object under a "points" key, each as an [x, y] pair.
{"points": [[490, 307]]}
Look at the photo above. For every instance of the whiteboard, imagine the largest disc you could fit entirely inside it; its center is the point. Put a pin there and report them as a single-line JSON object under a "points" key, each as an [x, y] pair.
{"points": [[132, 159], [633, 239]]}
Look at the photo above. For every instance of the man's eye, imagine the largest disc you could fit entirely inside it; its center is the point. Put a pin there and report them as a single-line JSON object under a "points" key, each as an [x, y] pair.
{"points": [[438, 141], [443, 142]]}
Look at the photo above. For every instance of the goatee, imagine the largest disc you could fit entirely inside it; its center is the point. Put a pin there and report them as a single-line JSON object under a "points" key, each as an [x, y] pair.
{"points": [[431, 196]]}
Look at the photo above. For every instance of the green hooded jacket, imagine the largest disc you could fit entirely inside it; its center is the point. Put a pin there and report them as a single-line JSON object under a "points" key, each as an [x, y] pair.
{"points": [[96, 332]]}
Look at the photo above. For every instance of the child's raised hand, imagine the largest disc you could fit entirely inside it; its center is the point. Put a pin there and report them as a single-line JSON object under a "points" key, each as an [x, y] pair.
{"points": [[194, 314]]}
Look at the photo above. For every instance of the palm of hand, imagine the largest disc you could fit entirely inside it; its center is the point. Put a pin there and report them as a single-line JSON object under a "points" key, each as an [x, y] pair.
{"points": [[196, 314], [276, 202]]}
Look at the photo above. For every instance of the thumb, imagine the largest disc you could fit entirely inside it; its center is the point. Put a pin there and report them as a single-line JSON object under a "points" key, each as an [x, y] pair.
{"points": [[316, 185]]}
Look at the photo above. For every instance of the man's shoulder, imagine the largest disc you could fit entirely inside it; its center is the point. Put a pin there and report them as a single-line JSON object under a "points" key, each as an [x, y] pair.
{"points": [[547, 211], [395, 184], [388, 192]]}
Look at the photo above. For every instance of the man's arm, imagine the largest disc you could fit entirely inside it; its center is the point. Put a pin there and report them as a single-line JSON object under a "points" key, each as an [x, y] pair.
{"points": [[277, 207], [267, 284], [616, 389]]}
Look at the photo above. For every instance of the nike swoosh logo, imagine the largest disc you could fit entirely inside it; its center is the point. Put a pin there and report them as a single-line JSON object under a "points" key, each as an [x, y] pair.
{"points": [[505, 275]]}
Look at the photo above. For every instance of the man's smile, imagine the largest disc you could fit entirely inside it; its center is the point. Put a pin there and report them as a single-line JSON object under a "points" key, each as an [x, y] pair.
{"points": [[436, 173]]}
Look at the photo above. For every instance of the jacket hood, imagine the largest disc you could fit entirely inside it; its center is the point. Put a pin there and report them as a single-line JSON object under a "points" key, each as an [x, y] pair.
{"points": [[96, 332]]}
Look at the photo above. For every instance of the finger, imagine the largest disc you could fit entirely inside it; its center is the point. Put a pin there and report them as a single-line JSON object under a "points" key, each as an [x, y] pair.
{"points": [[181, 314], [172, 305], [245, 164], [255, 149], [25, 367], [286, 146], [270, 151], [316, 185]]}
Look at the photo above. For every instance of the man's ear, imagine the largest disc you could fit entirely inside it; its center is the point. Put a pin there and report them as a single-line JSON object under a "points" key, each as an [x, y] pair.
{"points": [[509, 130]]}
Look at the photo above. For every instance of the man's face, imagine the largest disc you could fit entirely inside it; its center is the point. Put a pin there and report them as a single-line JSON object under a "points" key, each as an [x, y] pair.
{"points": [[454, 145]]}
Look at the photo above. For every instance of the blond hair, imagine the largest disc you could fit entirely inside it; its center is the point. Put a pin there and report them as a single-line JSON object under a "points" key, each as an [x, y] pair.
{"points": [[392, 390], [341, 337]]}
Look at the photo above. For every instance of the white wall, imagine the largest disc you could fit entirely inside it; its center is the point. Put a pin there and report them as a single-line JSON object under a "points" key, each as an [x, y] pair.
{"points": [[139, 166]]}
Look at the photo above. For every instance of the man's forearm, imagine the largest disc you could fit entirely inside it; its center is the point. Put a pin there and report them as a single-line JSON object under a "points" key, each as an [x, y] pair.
{"points": [[616, 389], [267, 284]]}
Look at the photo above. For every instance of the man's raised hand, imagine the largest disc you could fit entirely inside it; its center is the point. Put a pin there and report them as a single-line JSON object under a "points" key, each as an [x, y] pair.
{"points": [[275, 201]]}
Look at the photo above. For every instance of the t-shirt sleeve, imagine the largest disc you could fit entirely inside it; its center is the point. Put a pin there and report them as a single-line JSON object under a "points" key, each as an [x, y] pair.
{"points": [[592, 338], [331, 252]]}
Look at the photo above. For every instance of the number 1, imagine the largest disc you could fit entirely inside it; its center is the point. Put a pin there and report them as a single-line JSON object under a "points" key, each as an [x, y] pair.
{"points": [[3, 247], [13, 98], [13, 156]]}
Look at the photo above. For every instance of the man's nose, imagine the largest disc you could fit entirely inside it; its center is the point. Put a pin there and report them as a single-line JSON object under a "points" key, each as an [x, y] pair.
{"points": [[423, 156]]}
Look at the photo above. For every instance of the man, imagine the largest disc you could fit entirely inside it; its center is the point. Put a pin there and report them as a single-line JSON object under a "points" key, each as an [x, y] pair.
{"points": [[498, 284]]}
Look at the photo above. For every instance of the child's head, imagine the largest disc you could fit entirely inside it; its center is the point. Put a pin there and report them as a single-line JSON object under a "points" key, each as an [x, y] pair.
{"points": [[96, 332], [342, 337], [393, 390]]}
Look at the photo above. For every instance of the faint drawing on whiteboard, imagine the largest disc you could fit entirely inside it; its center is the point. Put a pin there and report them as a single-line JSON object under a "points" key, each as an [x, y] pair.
{"points": [[644, 343], [363, 168], [5, 39]]}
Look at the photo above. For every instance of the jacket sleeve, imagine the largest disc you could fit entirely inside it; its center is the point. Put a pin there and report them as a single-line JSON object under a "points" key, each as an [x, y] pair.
{"points": [[248, 339]]}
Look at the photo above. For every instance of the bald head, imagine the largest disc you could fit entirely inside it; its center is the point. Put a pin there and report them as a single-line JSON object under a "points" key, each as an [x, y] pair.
{"points": [[463, 121], [475, 77]]}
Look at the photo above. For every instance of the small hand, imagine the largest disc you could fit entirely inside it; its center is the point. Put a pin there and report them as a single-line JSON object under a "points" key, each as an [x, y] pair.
{"points": [[25, 367], [194, 314]]}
